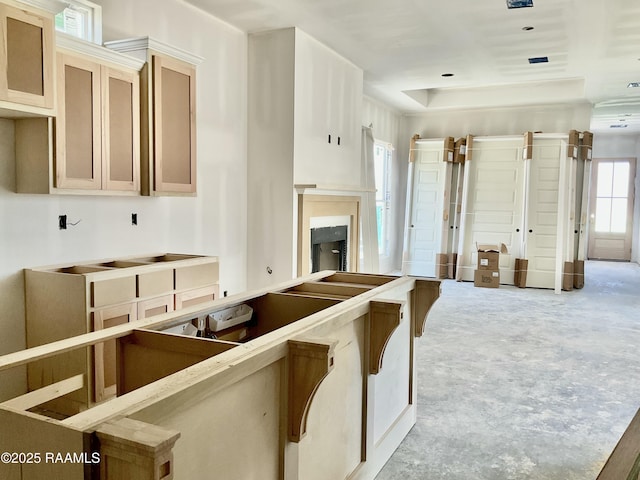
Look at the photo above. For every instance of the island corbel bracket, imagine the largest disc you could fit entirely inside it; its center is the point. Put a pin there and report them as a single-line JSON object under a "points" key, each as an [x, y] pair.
{"points": [[310, 361], [384, 318], [423, 296]]}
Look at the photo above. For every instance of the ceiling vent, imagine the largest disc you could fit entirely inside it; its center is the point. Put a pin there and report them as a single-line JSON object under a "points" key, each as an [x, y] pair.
{"points": [[539, 60], [519, 3], [633, 85], [618, 126]]}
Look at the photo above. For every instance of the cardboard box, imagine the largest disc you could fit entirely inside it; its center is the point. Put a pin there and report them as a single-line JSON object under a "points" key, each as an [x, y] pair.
{"points": [[578, 274], [586, 146], [442, 268], [489, 256], [527, 151], [567, 277], [520, 272], [460, 150], [449, 147], [486, 278], [574, 141], [453, 263]]}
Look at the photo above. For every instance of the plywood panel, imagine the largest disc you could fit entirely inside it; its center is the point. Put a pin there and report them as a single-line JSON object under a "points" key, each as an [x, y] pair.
{"points": [[40, 436], [392, 384], [115, 290], [78, 125], [273, 310], [176, 125], [25, 66], [155, 283], [27, 58], [121, 129], [121, 155], [197, 296], [155, 306], [105, 352], [79, 122], [337, 412], [162, 354], [211, 426], [196, 276]]}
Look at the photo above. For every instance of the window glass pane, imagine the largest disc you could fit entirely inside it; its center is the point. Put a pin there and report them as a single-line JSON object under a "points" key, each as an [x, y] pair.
{"points": [[380, 216], [605, 179], [603, 214], [621, 179], [72, 21], [619, 215], [379, 171]]}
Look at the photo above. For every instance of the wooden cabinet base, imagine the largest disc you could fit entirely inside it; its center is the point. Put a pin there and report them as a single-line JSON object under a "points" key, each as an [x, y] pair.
{"points": [[321, 388]]}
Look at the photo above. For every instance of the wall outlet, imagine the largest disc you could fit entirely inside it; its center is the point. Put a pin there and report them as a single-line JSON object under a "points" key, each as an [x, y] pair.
{"points": [[134, 219], [62, 222]]}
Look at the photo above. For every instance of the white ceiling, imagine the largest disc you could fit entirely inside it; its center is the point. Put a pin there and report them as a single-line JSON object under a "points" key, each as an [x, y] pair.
{"points": [[404, 46]]}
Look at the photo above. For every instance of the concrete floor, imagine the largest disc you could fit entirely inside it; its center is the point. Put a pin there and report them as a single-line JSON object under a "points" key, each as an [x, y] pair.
{"points": [[521, 384]]}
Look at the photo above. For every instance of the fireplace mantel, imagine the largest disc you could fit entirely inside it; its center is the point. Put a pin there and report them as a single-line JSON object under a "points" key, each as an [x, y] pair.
{"points": [[314, 188]]}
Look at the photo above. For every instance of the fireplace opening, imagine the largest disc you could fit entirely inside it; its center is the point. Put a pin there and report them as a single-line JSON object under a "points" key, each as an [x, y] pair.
{"points": [[329, 248]]}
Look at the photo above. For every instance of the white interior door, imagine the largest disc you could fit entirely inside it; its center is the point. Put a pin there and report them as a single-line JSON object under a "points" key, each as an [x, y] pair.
{"points": [[571, 234], [428, 209], [457, 173], [584, 209], [547, 213], [612, 195], [492, 203]]}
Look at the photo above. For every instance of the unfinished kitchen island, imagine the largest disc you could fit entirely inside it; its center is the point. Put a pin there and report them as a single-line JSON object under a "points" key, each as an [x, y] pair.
{"points": [[319, 384]]}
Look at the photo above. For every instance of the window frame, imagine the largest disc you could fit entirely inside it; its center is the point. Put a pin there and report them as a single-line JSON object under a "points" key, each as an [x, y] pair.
{"points": [[93, 20]]}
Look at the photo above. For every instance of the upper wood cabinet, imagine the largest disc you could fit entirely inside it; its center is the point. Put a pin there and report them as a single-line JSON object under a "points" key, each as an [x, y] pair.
{"points": [[168, 126], [98, 126], [26, 61], [174, 143], [78, 156], [93, 146]]}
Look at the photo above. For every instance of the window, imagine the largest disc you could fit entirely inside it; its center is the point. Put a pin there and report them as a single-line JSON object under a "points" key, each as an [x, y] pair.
{"points": [[612, 193], [382, 154], [81, 19]]}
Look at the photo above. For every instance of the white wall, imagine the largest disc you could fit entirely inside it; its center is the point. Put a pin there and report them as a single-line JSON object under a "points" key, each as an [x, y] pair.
{"points": [[213, 223], [623, 146], [386, 125]]}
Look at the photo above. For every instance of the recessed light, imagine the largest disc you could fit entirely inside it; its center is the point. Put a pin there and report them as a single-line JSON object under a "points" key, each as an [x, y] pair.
{"points": [[527, 28], [447, 74], [618, 126], [519, 3], [633, 85], [539, 60]]}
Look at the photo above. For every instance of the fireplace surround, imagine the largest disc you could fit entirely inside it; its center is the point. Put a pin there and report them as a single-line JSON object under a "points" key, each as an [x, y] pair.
{"points": [[312, 206]]}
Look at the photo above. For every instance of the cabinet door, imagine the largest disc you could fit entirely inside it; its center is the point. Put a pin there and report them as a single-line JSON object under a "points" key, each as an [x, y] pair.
{"points": [[26, 57], [78, 125], [120, 130], [174, 126], [105, 353], [196, 296], [155, 306]]}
